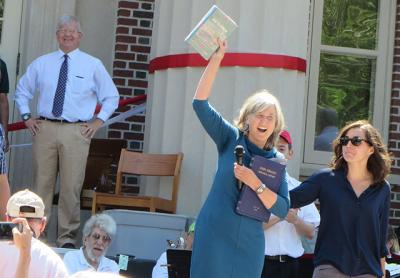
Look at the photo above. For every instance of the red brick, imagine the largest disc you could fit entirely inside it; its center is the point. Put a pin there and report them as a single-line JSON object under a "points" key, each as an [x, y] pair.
{"points": [[137, 119], [126, 39], [395, 205], [140, 48], [119, 64], [143, 14], [127, 21], [122, 30], [394, 119], [141, 66], [125, 91], [395, 102], [119, 81], [122, 12], [395, 171], [133, 136], [125, 56], [124, 126], [143, 58], [141, 32], [128, 4], [137, 83], [123, 73], [121, 47], [114, 134]]}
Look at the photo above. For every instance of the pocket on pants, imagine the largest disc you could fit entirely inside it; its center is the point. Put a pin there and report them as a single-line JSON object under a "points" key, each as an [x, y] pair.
{"points": [[325, 271]]}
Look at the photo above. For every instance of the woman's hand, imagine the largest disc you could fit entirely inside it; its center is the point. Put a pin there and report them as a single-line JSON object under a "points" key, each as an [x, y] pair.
{"points": [[220, 52], [246, 175]]}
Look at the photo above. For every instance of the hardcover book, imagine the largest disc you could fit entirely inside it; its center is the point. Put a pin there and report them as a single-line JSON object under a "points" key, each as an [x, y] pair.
{"points": [[270, 172], [215, 24]]}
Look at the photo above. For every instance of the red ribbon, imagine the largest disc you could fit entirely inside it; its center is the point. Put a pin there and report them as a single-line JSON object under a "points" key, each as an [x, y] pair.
{"points": [[230, 60]]}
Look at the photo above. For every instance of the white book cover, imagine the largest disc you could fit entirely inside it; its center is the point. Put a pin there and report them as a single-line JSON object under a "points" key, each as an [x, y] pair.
{"points": [[215, 24]]}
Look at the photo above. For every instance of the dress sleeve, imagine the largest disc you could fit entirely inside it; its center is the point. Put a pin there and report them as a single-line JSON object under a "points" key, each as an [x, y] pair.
{"points": [[215, 125], [282, 204]]}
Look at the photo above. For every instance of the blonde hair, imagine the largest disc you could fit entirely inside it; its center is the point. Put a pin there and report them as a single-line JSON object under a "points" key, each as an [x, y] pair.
{"points": [[256, 103]]}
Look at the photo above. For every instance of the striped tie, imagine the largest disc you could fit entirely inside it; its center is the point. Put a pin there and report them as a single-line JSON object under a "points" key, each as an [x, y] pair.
{"points": [[58, 102]]}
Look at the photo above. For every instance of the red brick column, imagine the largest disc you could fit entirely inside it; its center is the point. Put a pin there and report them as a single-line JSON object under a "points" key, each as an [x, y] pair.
{"points": [[131, 61], [394, 127]]}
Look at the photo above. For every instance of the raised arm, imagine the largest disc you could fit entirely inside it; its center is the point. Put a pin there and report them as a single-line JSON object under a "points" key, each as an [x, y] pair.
{"points": [[203, 90]]}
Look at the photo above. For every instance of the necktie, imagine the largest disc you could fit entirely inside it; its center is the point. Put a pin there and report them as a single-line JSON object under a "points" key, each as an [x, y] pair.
{"points": [[58, 101]]}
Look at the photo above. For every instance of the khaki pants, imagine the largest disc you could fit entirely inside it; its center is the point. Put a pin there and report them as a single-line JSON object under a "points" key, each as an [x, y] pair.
{"points": [[329, 271], [60, 148]]}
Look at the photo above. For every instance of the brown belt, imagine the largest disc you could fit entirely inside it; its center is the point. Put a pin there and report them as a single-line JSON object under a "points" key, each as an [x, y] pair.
{"points": [[59, 120]]}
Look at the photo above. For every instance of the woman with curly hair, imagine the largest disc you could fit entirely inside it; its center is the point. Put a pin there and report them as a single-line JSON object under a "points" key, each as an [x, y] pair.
{"points": [[354, 202]]}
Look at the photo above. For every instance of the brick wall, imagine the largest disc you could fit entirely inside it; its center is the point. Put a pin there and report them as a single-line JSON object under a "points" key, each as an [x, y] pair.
{"points": [[394, 132], [131, 61], [130, 70]]}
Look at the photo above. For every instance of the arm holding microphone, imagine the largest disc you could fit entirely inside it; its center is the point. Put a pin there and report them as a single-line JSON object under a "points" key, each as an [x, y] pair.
{"points": [[239, 152]]}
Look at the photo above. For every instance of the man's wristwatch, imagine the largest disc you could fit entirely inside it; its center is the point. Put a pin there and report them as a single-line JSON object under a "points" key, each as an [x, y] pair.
{"points": [[261, 189], [26, 116]]}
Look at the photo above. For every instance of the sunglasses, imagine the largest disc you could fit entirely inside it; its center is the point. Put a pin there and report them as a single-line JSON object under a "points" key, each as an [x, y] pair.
{"points": [[355, 141], [97, 237]]}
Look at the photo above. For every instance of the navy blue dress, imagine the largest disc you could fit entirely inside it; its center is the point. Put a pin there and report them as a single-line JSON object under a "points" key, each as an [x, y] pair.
{"points": [[227, 244]]}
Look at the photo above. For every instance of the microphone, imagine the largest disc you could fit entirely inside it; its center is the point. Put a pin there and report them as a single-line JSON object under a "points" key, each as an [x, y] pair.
{"points": [[239, 152]]}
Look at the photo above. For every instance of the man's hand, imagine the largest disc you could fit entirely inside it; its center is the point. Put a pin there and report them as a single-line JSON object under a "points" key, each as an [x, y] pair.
{"points": [[90, 128], [33, 125], [22, 240], [291, 217]]}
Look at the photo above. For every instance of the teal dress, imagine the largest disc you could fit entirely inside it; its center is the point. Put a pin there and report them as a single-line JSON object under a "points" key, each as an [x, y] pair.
{"points": [[227, 244]]}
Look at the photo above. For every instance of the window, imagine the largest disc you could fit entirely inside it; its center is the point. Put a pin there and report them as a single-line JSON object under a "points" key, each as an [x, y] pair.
{"points": [[349, 70]]}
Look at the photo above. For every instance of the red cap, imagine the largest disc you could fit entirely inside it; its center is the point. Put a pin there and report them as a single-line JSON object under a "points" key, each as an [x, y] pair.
{"points": [[285, 135]]}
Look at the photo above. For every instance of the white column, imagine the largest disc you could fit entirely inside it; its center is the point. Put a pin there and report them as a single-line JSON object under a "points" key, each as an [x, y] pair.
{"points": [[265, 27]]}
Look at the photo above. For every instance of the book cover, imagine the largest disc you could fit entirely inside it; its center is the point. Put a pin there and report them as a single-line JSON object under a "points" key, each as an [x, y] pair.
{"points": [[270, 172], [215, 24]]}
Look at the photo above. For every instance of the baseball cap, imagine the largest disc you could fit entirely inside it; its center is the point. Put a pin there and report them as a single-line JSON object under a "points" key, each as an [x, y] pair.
{"points": [[285, 135], [25, 204]]}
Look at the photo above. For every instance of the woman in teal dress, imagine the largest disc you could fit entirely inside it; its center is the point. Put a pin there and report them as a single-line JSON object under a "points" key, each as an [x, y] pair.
{"points": [[227, 244]]}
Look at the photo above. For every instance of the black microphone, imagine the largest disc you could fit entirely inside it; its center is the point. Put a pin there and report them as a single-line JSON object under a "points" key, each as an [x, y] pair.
{"points": [[239, 152]]}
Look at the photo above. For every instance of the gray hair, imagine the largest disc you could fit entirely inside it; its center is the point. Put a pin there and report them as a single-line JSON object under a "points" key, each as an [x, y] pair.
{"points": [[67, 19], [103, 222]]}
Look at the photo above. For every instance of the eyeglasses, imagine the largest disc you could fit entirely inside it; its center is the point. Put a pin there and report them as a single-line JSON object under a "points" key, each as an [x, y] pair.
{"points": [[262, 117], [355, 141], [105, 239], [66, 31]]}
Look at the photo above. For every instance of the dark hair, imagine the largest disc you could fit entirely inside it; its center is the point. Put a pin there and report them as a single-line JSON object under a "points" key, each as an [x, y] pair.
{"points": [[379, 162]]}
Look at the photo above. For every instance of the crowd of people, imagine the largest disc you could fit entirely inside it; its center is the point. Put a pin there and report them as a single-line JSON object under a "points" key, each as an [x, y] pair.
{"points": [[353, 193]]}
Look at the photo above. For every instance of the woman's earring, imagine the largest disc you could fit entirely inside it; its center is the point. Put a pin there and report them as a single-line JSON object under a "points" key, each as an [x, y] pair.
{"points": [[246, 127]]}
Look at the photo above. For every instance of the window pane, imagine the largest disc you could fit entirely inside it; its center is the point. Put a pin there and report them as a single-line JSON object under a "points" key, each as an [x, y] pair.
{"points": [[350, 23], [345, 93], [1, 8]]}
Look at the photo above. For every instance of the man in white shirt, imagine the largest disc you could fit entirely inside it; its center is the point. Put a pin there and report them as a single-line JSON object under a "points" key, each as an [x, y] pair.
{"points": [[43, 261], [70, 84], [283, 244], [97, 235]]}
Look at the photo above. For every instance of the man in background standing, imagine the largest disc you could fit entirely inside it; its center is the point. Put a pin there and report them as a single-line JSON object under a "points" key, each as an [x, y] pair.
{"points": [[70, 84], [283, 236], [4, 186]]}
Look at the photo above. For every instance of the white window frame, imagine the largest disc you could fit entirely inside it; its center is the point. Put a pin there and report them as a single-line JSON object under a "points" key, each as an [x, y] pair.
{"points": [[312, 159]]}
